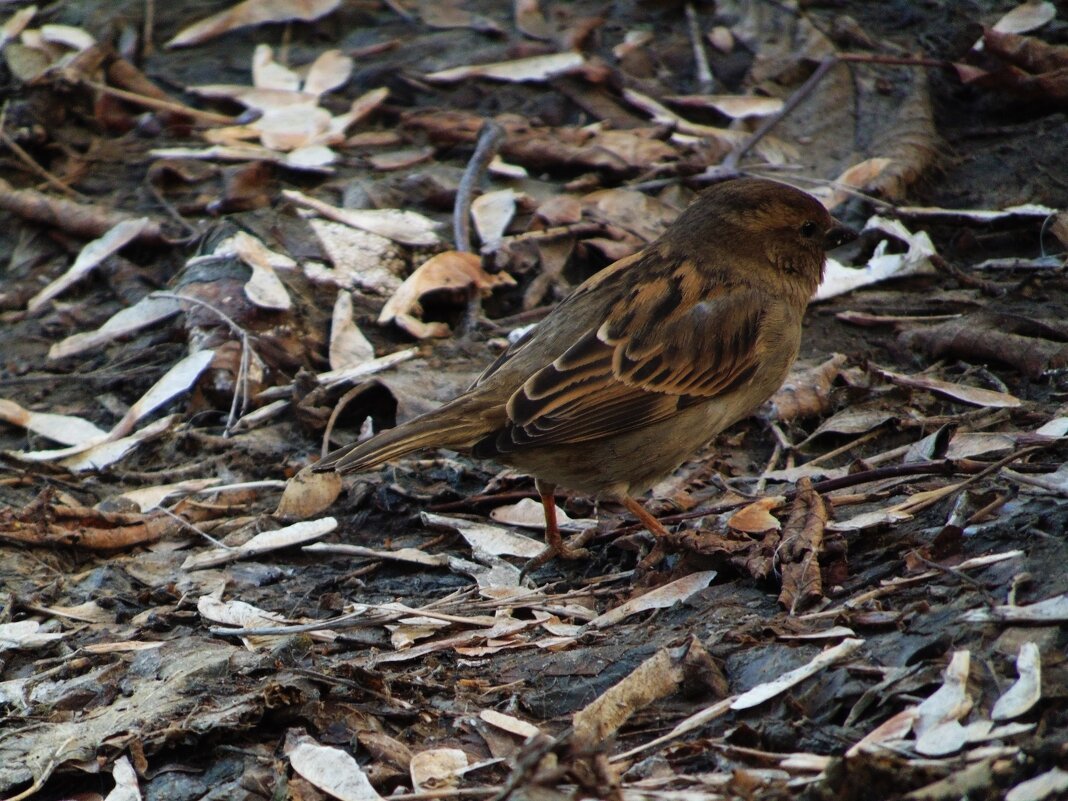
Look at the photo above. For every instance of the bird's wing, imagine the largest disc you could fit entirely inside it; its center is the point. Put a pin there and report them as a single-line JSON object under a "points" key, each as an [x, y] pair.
{"points": [[670, 341]]}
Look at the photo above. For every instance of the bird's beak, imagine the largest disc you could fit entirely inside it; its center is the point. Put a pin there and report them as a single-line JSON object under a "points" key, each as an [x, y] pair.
{"points": [[837, 236]]}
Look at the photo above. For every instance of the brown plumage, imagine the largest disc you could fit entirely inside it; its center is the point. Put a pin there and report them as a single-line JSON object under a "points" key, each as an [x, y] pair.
{"points": [[647, 360]]}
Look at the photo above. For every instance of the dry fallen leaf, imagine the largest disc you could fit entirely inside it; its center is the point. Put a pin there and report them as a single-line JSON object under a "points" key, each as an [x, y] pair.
{"points": [[252, 12], [450, 271], [533, 68]]}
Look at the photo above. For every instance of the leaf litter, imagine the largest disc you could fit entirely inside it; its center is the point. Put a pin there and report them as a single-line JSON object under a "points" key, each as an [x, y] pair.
{"points": [[900, 500]]}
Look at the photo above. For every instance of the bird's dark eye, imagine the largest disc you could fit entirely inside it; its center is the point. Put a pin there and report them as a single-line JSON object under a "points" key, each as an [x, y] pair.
{"points": [[809, 229]]}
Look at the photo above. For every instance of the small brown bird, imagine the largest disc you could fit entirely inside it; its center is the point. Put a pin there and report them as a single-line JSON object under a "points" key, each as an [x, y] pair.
{"points": [[646, 361]]}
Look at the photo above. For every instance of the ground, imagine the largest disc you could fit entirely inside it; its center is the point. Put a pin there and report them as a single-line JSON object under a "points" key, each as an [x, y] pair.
{"points": [[924, 477]]}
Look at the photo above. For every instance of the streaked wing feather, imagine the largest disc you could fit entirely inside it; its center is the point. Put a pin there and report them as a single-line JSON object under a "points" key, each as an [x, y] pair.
{"points": [[639, 369]]}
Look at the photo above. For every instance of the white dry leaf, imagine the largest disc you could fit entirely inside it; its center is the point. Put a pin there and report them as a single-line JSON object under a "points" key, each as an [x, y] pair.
{"points": [[484, 538], [528, 513], [1051, 610], [251, 12], [292, 127], [244, 152], [1027, 690], [269, 74], [770, 689], [943, 739], [237, 614], [892, 730], [90, 257], [1051, 784], [348, 346], [512, 725], [67, 36], [126, 787], [176, 381], [260, 99], [360, 259], [24, 635], [310, 157], [951, 701], [976, 396], [147, 498], [64, 428], [287, 537], [978, 215], [1025, 17], [492, 212], [332, 770], [146, 312], [738, 107], [412, 556], [520, 70], [865, 520], [839, 279], [330, 71], [503, 169], [406, 227], [437, 769], [108, 453], [264, 288], [16, 24], [660, 598], [1055, 428]]}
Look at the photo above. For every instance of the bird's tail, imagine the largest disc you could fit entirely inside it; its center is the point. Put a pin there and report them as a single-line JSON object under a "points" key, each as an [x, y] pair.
{"points": [[434, 429]]}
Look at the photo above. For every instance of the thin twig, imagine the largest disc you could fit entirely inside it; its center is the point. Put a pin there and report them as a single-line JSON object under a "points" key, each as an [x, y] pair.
{"points": [[490, 137], [700, 56], [203, 117]]}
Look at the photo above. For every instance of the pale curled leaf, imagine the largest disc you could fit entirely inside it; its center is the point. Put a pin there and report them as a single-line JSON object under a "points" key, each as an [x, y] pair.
{"points": [[90, 257], [146, 312], [510, 724], [25, 635], [126, 787], [770, 689], [951, 701], [491, 213], [252, 12], [1027, 690], [332, 770], [289, 536], [1051, 610], [269, 74], [437, 769], [493, 540], [348, 346], [1051, 784], [331, 70], [660, 598], [405, 227], [532, 68], [108, 453], [64, 428], [973, 395]]}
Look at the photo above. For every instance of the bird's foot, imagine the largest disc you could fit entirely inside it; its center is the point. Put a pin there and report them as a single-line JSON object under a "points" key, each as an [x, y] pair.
{"points": [[565, 550]]}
